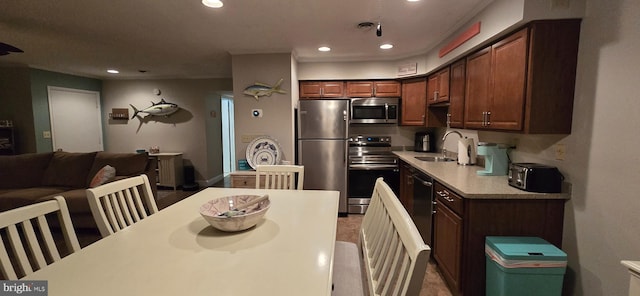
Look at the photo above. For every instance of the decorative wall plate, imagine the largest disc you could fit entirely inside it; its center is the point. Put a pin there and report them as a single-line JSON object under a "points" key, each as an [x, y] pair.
{"points": [[263, 150]]}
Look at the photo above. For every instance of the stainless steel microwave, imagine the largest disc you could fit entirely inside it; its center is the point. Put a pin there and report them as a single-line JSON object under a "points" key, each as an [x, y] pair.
{"points": [[374, 110]]}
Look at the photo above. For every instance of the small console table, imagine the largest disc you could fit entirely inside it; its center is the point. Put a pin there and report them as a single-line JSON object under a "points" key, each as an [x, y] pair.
{"points": [[244, 179]]}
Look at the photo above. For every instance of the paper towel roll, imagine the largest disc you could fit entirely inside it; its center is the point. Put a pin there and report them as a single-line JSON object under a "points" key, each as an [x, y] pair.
{"points": [[466, 151]]}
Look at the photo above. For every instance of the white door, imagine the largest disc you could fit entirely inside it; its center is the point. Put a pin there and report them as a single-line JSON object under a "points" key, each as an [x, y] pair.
{"points": [[228, 146], [76, 125]]}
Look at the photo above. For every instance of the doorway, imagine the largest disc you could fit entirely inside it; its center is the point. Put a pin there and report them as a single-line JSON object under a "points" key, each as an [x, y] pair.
{"points": [[228, 135], [76, 124]]}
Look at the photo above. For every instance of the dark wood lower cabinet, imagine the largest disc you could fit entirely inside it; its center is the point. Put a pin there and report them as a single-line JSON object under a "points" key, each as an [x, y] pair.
{"points": [[447, 240], [480, 218]]}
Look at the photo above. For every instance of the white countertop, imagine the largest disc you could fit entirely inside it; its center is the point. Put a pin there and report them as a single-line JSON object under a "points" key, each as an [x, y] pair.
{"points": [[463, 179], [176, 252]]}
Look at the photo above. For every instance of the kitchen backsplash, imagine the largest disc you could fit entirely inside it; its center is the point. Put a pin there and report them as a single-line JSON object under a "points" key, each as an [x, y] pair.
{"points": [[529, 148]]}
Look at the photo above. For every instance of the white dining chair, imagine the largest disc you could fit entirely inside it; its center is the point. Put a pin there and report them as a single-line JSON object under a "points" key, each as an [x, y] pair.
{"points": [[18, 224], [121, 203], [391, 251], [280, 176]]}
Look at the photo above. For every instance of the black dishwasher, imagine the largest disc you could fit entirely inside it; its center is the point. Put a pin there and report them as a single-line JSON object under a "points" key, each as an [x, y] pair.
{"points": [[423, 206]]}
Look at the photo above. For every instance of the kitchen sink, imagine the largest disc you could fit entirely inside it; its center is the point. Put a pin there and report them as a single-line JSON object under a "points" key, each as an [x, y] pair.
{"points": [[434, 158]]}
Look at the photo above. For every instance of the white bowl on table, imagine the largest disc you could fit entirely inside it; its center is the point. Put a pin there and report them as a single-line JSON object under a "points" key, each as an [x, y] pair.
{"points": [[211, 211]]}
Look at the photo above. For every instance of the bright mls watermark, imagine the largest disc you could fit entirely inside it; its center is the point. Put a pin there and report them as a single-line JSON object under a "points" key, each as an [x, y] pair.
{"points": [[23, 288]]}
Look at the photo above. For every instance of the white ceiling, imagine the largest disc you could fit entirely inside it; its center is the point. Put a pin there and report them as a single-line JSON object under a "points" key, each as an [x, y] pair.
{"points": [[184, 39]]}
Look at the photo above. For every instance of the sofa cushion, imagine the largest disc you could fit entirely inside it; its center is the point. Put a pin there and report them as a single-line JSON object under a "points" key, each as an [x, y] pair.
{"points": [[24, 170], [126, 164], [68, 169], [22, 197]]}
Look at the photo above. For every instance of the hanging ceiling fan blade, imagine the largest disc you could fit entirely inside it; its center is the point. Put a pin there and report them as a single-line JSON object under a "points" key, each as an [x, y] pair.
{"points": [[5, 49]]}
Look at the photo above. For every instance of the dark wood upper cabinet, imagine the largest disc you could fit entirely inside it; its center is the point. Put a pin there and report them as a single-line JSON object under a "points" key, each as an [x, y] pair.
{"points": [[414, 102], [495, 85], [321, 89], [438, 87], [477, 99], [456, 94], [381, 88], [524, 82]]}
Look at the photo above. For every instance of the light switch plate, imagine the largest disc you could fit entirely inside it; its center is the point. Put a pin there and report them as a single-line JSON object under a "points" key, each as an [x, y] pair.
{"points": [[561, 151]]}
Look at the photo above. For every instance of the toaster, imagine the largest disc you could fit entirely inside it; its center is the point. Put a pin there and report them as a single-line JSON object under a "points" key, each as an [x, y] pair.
{"points": [[535, 177]]}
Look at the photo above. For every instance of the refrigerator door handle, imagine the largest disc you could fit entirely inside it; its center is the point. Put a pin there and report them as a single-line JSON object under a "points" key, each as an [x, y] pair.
{"points": [[345, 116], [345, 154]]}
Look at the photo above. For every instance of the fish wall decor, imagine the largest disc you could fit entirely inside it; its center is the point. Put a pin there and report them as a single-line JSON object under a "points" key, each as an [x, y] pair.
{"points": [[258, 89], [161, 108]]}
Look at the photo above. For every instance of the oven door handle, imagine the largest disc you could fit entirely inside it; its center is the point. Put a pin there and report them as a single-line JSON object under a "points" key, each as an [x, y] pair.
{"points": [[373, 168], [425, 183]]}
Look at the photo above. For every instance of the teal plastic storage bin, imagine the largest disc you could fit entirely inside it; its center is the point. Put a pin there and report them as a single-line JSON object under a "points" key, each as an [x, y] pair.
{"points": [[523, 266]]}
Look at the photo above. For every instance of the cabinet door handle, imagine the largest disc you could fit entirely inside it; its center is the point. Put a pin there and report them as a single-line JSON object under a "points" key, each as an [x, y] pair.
{"points": [[488, 118], [435, 95], [484, 118], [321, 91], [448, 119]]}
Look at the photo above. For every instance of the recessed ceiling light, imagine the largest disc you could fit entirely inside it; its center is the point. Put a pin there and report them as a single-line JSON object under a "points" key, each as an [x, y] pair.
{"points": [[212, 3], [386, 46], [413, 0], [324, 48], [113, 71]]}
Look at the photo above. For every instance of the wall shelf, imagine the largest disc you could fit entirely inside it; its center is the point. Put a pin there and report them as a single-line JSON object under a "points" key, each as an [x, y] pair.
{"points": [[119, 114]]}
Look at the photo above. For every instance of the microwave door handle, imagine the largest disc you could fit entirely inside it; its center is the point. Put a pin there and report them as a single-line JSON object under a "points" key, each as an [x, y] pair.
{"points": [[386, 112]]}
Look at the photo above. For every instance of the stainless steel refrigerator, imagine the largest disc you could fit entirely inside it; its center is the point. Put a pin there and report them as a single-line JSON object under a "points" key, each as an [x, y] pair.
{"points": [[322, 145]]}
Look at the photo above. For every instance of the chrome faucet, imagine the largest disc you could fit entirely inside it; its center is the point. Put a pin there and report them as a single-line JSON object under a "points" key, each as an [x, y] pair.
{"points": [[444, 150]]}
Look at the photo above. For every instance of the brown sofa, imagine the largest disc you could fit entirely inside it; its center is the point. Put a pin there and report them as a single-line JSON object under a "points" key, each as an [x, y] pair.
{"points": [[35, 177]]}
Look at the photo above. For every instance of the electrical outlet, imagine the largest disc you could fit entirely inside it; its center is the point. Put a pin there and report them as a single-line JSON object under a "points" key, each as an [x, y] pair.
{"points": [[562, 4], [46, 134], [560, 151]]}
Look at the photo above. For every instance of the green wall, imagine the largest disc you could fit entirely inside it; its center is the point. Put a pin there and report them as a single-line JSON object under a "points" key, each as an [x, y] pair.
{"points": [[40, 80]]}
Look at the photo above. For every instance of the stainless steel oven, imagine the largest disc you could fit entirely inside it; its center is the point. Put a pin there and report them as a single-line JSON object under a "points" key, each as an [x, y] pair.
{"points": [[370, 157]]}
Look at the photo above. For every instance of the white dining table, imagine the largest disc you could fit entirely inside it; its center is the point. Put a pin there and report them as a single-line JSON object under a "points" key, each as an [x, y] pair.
{"points": [[176, 252]]}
